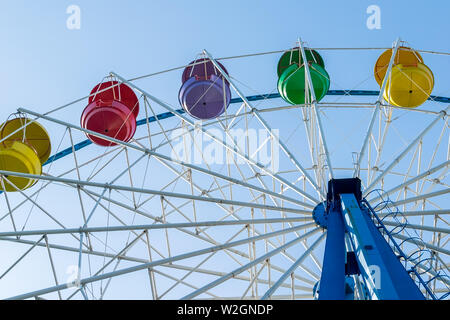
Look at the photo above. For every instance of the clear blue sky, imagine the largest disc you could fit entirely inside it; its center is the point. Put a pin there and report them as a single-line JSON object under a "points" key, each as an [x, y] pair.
{"points": [[44, 65]]}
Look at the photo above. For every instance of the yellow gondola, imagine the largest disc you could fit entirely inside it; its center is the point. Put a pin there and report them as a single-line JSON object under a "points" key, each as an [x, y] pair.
{"points": [[24, 151], [16, 156], [405, 56], [34, 135], [409, 86]]}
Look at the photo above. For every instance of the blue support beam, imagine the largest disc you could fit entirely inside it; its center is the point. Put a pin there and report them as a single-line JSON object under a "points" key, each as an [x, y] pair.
{"points": [[332, 281], [385, 276], [369, 255]]}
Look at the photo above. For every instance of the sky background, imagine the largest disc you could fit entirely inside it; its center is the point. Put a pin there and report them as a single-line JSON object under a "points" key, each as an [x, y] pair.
{"points": [[44, 65]]}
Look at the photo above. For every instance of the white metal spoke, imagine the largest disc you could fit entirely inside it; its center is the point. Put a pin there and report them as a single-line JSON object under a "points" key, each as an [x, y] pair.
{"points": [[291, 269], [219, 141], [405, 151], [155, 263], [315, 108], [377, 107], [248, 265]]}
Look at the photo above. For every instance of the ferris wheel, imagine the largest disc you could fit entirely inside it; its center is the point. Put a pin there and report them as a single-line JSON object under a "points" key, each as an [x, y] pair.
{"points": [[230, 192]]}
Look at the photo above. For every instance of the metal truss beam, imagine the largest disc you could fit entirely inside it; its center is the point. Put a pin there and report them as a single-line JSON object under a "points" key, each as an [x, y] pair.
{"points": [[160, 262], [249, 265], [152, 226], [149, 191], [391, 281], [164, 157]]}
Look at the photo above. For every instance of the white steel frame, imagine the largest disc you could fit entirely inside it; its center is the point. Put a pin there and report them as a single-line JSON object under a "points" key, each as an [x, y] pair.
{"points": [[262, 247]]}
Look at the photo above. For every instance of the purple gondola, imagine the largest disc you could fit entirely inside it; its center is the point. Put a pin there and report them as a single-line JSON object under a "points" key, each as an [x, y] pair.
{"points": [[202, 69], [205, 99]]}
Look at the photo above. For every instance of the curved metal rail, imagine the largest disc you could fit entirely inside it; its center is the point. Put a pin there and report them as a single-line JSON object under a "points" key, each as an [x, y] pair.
{"points": [[423, 255], [258, 97]]}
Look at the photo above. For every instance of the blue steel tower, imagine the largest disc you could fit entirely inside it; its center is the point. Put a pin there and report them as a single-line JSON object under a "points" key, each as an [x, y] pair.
{"points": [[356, 249]]}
